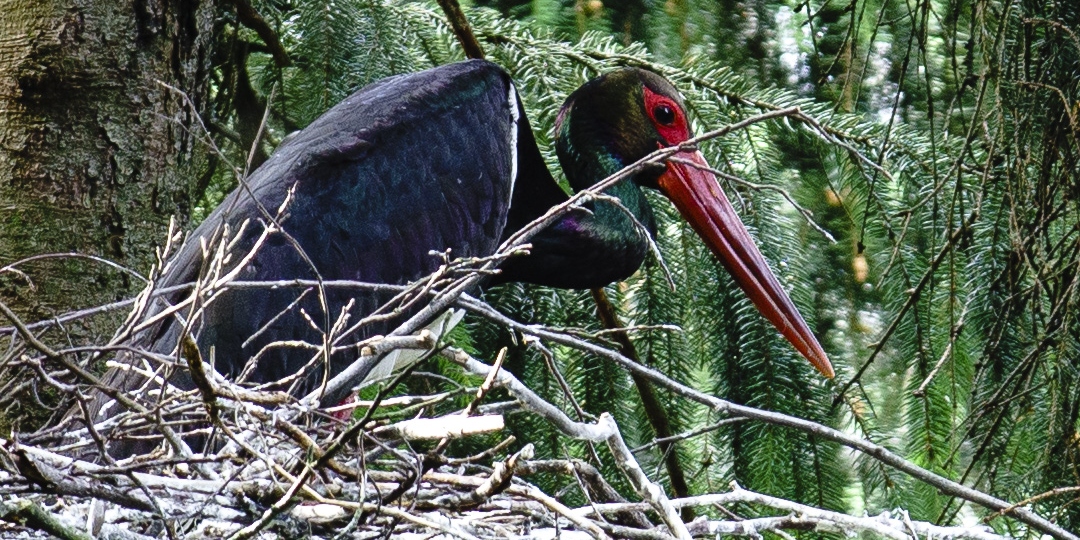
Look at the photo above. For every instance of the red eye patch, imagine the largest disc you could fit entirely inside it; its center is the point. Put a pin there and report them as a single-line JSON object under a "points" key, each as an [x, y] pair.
{"points": [[667, 116]]}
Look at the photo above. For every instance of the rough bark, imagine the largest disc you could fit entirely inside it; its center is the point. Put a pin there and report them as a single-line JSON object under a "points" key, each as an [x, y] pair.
{"points": [[95, 153]]}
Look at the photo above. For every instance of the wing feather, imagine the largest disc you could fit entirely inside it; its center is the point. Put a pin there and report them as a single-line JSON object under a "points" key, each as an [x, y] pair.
{"points": [[408, 165]]}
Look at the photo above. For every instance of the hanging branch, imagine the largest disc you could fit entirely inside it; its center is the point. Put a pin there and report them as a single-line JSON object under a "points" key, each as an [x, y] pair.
{"points": [[250, 17], [462, 30]]}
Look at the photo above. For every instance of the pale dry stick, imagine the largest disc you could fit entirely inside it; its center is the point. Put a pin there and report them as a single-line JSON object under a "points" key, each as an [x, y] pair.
{"points": [[300, 482], [36, 472], [598, 487], [585, 490], [501, 475], [377, 345], [181, 485], [485, 387], [754, 527], [35, 364], [553, 367], [577, 430], [414, 404], [395, 401], [645, 488], [630, 533], [534, 493], [527, 491], [342, 319], [882, 525], [605, 430], [369, 347], [177, 444], [876, 451], [330, 284], [313, 360], [394, 513], [441, 428]]}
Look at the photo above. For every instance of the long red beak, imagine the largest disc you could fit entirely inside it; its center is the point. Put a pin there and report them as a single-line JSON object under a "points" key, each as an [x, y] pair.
{"points": [[698, 197]]}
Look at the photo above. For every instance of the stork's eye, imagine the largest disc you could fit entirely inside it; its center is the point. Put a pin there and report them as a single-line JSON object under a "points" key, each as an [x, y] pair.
{"points": [[667, 117], [664, 115]]}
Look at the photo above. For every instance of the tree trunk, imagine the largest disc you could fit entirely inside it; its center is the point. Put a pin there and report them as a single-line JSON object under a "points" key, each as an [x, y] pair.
{"points": [[95, 152]]}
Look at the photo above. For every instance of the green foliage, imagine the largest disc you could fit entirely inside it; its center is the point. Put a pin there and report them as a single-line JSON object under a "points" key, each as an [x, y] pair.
{"points": [[943, 168]]}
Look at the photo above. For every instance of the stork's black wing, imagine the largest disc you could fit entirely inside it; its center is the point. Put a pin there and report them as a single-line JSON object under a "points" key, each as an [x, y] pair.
{"points": [[408, 165]]}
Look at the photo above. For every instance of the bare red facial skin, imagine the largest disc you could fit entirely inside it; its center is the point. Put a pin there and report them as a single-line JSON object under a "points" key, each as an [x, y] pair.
{"points": [[674, 131], [695, 192]]}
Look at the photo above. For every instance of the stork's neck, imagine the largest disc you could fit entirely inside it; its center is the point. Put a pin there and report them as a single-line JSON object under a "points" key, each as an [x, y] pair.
{"points": [[589, 158], [622, 222], [597, 244]]}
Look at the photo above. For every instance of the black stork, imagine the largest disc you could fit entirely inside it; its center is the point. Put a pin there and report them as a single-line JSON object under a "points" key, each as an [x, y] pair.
{"points": [[446, 159]]}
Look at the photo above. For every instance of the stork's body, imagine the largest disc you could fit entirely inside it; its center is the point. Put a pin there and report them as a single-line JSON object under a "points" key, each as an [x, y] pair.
{"points": [[375, 184], [445, 160]]}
